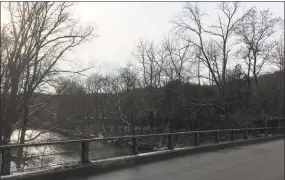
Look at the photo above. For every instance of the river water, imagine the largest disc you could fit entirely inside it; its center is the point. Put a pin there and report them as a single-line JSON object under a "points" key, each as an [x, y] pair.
{"points": [[43, 157]]}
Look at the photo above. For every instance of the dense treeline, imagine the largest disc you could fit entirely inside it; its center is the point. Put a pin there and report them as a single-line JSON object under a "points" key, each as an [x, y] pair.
{"points": [[160, 109]]}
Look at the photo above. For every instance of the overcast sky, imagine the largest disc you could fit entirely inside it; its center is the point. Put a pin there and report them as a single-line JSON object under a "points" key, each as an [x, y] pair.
{"points": [[120, 25]]}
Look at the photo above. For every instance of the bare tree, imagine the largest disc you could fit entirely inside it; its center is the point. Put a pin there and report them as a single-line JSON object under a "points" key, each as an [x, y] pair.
{"points": [[190, 23], [149, 62], [198, 64], [39, 34], [255, 32], [178, 58], [278, 54], [279, 61]]}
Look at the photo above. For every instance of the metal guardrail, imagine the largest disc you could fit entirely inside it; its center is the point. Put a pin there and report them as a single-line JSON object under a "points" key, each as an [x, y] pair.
{"points": [[195, 137]]}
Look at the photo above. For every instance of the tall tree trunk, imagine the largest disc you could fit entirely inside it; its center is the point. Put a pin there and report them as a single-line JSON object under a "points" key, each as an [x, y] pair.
{"points": [[23, 134], [199, 81], [10, 118], [248, 90]]}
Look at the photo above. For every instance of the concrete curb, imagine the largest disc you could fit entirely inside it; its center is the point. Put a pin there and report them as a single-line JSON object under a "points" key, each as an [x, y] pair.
{"points": [[108, 165]]}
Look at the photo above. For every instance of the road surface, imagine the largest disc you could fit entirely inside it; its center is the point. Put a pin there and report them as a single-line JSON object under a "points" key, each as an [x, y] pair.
{"points": [[255, 162]]}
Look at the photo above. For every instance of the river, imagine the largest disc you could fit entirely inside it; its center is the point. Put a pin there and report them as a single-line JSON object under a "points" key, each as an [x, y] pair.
{"points": [[43, 157]]}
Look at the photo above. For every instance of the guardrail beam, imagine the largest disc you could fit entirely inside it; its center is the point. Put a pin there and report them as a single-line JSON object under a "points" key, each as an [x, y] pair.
{"points": [[7, 149]]}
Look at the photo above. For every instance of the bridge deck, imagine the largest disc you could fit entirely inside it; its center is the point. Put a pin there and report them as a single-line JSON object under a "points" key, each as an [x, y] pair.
{"points": [[255, 162]]}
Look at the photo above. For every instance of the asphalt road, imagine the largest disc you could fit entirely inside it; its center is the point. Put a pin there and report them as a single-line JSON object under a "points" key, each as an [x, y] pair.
{"points": [[255, 162]]}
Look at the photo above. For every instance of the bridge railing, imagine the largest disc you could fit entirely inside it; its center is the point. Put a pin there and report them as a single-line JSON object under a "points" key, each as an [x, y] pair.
{"points": [[71, 152]]}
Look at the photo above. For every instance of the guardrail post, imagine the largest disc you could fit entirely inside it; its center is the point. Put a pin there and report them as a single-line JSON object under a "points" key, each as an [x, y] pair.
{"points": [[85, 152], [274, 131], [169, 142], [266, 131], [256, 132], [245, 134], [216, 136], [6, 160], [266, 128], [232, 135], [196, 139], [135, 147]]}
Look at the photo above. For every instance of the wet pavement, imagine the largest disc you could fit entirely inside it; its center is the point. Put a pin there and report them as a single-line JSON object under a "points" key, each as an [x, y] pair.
{"points": [[255, 162]]}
